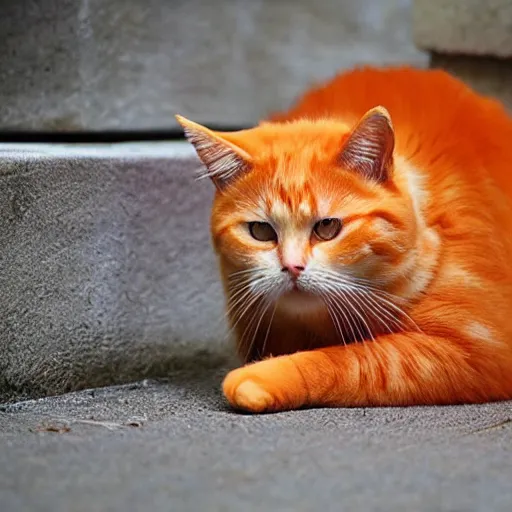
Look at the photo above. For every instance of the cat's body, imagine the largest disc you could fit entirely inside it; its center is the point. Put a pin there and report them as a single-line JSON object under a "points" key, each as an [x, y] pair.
{"points": [[404, 295]]}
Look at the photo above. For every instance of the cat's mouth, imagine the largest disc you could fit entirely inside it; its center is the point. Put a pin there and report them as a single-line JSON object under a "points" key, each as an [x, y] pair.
{"points": [[299, 300], [297, 289], [294, 287]]}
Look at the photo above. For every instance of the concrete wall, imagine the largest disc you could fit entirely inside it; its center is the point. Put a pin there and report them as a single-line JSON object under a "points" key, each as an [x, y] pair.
{"points": [[91, 65]]}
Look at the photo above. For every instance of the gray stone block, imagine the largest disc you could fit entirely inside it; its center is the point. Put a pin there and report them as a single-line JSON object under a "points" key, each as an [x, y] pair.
{"points": [[107, 274], [471, 27], [91, 65]]}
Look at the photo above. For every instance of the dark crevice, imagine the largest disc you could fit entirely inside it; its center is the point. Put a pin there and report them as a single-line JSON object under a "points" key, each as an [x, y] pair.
{"points": [[102, 136]]}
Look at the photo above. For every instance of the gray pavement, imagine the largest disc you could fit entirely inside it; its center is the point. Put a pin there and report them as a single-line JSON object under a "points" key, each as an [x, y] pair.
{"points": [[174, 446]]}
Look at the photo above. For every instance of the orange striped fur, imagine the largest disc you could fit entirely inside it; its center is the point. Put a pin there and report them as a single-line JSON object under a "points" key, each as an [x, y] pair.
{"points": [[411, 302]]}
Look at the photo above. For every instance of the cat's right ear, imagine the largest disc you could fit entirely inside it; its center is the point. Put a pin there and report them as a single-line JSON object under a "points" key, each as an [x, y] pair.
{"points": [[369, 148], [224, 161]]}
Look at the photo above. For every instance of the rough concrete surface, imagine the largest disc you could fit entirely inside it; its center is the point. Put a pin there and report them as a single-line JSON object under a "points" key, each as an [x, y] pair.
{"points": [[173, 445], [107, 273], [470, 27], [91, 65]]}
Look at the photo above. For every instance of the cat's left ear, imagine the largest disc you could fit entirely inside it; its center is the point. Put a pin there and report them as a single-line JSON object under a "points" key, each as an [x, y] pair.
{"points": [[223, 159], [369, 148]]}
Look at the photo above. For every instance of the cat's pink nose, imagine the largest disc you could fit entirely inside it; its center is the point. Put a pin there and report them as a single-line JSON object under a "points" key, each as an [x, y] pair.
{"points": [[293, 270]]}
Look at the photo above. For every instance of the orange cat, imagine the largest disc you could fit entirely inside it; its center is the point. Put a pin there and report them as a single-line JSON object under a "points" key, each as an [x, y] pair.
{"points": [[365, 245]]}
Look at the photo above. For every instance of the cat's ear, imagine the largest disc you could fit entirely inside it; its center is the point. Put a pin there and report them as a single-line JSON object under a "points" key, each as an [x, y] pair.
{"points": [[369, 148], [223, 160]]}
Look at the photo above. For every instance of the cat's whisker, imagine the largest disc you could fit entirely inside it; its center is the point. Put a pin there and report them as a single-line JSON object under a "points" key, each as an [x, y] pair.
{"points": [[242, 338], [391, 317], [234, 310], [379, 312], [355, 305], [250, 270], [383, 296], [254, 323], [245, 281], [370, 300], [268, 330], [344, 310], [378, 298], [251, 302], [370, 285], [334, 318], [400, 311], [345, 297], [246, 272], [250, 290], [252, 280], [242, 294], [379, 307], [266, 304], [363, 311], [353, 310], [340, 294], [257, 306], [374, 307]]}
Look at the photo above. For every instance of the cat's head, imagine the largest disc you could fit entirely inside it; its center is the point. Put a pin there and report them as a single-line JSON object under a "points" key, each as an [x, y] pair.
{"points": [[307, 208]]}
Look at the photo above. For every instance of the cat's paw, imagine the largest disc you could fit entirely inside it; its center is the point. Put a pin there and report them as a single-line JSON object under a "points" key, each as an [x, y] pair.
{"points": [[245, 393], [272, 385]]}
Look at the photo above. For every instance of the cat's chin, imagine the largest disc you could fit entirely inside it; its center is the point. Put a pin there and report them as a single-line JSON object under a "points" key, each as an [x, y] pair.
{"points": [[298, 302]]}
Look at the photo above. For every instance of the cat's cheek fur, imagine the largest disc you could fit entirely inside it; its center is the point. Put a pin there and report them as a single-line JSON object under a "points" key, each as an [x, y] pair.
{"points": [[236, 247], [268, 258]]}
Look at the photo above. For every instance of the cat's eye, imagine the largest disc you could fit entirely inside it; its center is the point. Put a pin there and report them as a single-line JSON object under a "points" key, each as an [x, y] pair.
{"points": [[262, 231], [327, 229]]}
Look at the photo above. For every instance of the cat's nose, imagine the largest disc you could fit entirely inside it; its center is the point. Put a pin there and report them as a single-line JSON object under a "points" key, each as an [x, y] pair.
{"points": [[293, 270]]}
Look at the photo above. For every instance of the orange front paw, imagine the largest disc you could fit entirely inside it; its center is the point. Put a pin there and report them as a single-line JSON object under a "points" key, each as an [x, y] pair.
{"points": [[243, 392], [274, 384]]}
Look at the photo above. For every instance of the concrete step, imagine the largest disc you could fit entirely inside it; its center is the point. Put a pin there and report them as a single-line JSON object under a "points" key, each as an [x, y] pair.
{"points": [[91, 65], [469, 27], [107, 274]]}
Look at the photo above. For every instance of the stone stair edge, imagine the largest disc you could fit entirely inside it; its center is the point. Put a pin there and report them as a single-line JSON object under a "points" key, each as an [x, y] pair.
{"points": [[472, 27]]}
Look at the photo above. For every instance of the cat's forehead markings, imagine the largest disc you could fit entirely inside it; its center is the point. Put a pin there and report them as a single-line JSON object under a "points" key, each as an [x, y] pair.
{"points": [[324, 207], [278, 209], [305, 208]]}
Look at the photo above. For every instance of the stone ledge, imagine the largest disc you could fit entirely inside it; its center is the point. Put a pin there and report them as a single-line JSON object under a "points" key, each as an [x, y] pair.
{"points": [[92, 65], [107, 271], [471, 27]]}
